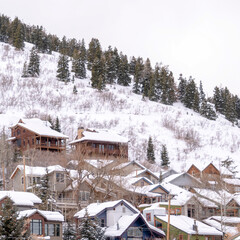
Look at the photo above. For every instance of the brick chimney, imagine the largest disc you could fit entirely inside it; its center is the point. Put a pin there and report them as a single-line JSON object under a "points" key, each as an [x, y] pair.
{"points": [[80, 131]]}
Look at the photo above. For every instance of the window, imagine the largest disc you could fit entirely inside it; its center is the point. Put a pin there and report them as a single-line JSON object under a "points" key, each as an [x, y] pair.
{"points": [[180, 237], [135, 232], [123, 210], [94, 145], [101, 148], [33, 141], [142, 183], [110, 147], [60, 177], [148, 217], [102, 222], [84, 195], [18, 132], [22, 180], [158, 224], [52, 229], [36, 227]]}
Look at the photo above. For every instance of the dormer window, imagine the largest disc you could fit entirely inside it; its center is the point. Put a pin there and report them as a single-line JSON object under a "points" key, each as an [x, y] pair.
{"points": [[60, 177]]}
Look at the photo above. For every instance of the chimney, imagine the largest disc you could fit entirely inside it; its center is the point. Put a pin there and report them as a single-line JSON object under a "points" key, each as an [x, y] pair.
{"points": [[195, 227], [80, 131]]}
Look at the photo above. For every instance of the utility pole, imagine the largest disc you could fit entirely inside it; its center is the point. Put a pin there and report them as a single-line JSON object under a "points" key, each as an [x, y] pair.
{"points": [[168, 224]]}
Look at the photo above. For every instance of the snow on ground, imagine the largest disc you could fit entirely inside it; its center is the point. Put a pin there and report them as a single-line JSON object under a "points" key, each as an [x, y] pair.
{"points": [[189, 137]]}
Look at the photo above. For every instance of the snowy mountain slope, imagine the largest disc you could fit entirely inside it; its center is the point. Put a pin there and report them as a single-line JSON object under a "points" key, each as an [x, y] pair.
{"points": [[188, 136]]}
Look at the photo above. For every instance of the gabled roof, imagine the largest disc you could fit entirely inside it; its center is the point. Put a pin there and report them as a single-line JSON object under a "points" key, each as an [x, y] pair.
{"points": [[37, 171], [185, 224], [101, 135], [39, 127], [21, 198], [99, 163], [123, 224], [123, 165], [202, 166], [48, 215], [216, 224], [95, 209]]}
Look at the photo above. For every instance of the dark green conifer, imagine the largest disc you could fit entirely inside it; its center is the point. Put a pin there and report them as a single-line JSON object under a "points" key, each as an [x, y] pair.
{"points": [[164, 156], [34, 64], [207, 111], [181, 88], [150, 151], [57, 126], [25, 70], [123, 71], [75, 91], [11, 227], [63, 69], [146, 78], [138, 76], [94, 52]]}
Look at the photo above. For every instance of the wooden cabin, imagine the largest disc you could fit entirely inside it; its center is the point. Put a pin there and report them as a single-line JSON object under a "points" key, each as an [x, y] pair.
{"points": [[37, 134], [94, 144]]}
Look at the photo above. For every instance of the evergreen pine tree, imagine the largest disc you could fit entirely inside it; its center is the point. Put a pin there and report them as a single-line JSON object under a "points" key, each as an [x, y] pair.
{"points": [[123, 71], [57, 126], [132, 65], [110, 67], [34, 64], [25, 71], [75, 91], [89, 229], [11, 227], [190, 94], [83, 52], [218, 100], [207, 111], [164, 156], [196, 101], [94, 52], [146, 78], [18, 41], [69, 232], [50, 121], [98, 74], [78, 65], [150, 151], [181, 87], [201, 93], [237, 106], [157, 84], [44, 192], [230, 111], [138, 76], [63, 70]]}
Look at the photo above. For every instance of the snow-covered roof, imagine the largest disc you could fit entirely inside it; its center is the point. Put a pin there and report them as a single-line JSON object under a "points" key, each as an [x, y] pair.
{"points": [[123, 165], [147, 190], [38, 171], [48, 215], [100, 135], [96, 208], [124, 222], [40, 127], [99, 163], [216, 224], [232, 181], [181, 196], [21, 198], [185, 224], [221, 197], [225, 219], [202, 166]]}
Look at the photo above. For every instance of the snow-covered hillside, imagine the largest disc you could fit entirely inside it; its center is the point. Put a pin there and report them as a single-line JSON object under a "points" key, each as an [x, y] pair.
{"points": [[188, 136]]}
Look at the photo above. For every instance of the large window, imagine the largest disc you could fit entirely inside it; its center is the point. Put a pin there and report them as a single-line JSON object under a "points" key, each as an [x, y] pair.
{"points": [[148, 217], [36, 227], [101, 148], [52, 229], [60, 177], [135, 232], [84, 195]]}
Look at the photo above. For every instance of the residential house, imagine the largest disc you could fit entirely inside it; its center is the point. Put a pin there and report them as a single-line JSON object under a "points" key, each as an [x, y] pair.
{"points": [[100, 144], [209, 171], [45, 224], [37, 134], [121, 220], [228, 225], [186, 228], [22, 200], [183, 180]]}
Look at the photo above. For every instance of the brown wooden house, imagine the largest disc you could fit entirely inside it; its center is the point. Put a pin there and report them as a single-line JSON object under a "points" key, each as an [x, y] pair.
{"points": [[37, 134], [43, 224], [94, 144]]}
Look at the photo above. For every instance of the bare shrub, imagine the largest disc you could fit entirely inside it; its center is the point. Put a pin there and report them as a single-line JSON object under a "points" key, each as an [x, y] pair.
{"points": [[168, 123]]}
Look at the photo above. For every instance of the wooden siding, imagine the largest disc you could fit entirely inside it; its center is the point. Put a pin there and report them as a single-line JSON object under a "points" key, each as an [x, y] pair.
{"points": [[26, 139]]}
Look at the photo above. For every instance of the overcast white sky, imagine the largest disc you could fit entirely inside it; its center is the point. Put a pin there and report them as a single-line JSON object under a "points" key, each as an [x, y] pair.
{"points": [[199, 38]]}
